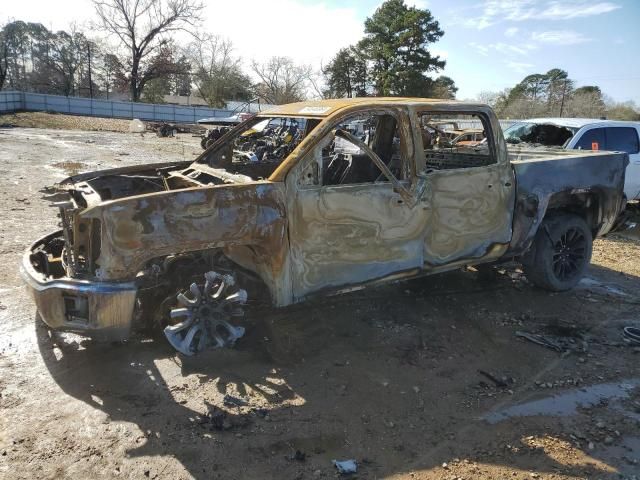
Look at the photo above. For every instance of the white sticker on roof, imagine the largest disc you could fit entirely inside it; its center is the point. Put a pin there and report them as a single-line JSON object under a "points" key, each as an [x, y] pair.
{"points": [[315, 110]]}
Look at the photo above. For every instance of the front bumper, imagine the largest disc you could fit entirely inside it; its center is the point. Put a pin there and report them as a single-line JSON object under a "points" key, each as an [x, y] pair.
{"points": [[101, 310]]}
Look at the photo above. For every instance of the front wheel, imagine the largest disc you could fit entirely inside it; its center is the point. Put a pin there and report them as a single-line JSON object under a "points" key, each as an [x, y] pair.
{"points": [[199, 317], [560, 253]]}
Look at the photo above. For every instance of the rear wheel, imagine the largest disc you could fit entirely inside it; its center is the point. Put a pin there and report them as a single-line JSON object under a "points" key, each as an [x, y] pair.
{"points": [[560, 253]]}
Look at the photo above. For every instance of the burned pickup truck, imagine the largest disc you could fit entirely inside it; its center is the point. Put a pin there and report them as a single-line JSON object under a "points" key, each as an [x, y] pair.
{"points": [[361, 191]]}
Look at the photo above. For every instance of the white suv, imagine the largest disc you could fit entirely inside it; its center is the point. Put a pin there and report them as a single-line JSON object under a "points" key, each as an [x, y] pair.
{"points": [[585, 134]]}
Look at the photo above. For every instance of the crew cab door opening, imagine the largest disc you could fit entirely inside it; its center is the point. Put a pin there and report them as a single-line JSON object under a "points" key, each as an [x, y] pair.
{"points": [[355, 224], [470, 190]]}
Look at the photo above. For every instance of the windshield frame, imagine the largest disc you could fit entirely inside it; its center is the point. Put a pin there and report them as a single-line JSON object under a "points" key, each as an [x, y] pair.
{"points": [[206, 157]]}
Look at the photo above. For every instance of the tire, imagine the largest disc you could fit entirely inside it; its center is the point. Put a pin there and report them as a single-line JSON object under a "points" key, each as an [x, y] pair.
{"points": [[560, 253]]}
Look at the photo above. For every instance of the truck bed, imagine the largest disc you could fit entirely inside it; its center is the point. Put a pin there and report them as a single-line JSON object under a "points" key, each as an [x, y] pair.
{"points": [[553, 170], [532, 154], [548, 176]]}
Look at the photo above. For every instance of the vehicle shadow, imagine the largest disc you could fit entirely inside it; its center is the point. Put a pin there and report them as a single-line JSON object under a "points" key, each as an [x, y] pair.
{"points": [[388, 377]]}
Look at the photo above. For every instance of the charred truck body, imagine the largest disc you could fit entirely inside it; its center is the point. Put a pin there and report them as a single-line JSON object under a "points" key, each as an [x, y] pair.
{"points": [[313, 198]]}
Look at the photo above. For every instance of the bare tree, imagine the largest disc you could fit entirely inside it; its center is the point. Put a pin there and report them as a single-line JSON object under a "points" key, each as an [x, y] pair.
{"points": [[67, 58], [621, 110], [586, 102], [318, 86], [142, 27], [281, 80], [488, 97], [217, 73]]}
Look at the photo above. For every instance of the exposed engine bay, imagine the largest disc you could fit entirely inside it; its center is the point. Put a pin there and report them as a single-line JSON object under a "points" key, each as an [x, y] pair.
{"points": [[258, 146], [252, 151], [249, 152]]}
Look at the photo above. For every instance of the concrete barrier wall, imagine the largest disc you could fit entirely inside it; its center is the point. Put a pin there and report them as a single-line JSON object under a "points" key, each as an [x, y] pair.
{"points": [[11, 101], [37, 102]]}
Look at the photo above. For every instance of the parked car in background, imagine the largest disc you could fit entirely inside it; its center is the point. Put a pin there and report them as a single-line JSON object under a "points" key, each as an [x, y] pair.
{"points": [[469, 137], [585, 134]]}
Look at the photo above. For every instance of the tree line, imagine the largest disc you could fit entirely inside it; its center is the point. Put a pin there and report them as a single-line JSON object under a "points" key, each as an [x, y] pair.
{"points": [[142, 59], [553, 94], [147, 63]]}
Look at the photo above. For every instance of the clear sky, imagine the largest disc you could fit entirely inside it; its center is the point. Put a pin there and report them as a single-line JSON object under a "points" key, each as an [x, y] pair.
{"points": [[488, 45]]}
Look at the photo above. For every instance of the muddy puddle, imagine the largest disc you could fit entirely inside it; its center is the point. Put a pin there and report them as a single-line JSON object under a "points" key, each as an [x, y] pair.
{"points": [[567, 403], [625, 455], [590, 283]]}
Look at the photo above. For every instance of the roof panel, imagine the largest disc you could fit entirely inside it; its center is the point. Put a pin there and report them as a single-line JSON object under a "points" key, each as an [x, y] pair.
{"points": [[324, 108]]}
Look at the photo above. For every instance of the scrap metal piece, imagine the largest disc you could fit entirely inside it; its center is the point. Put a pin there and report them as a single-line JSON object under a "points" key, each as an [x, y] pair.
{"points": [[231, 401], [632, 334], [205, 310], [346, 467], [494, 379], [540, 340]]}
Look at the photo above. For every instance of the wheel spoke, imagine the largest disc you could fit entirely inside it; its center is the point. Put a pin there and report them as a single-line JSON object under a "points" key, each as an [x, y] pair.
{"points": [[185, 301], [239, 297], [187, 343], [218, 293], [556, 268], [181, 312], [195, 291]]}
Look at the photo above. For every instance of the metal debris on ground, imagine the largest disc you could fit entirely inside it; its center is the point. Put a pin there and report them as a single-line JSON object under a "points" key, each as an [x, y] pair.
{"points": [[540, 340], [231, 401], [567, 340], [346, 467], [166, 130], [494, 379], [631, 334]]}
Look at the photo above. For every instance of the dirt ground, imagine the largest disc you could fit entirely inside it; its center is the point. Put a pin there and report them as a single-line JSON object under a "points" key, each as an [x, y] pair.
{"points": [[61, 121], [390, 377]]}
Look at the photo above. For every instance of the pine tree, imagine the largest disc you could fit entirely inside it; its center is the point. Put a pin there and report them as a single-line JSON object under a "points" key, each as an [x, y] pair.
{"points": [[396, 43]]}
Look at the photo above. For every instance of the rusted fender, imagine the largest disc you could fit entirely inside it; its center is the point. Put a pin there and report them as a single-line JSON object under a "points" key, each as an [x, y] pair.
{"points": [[137, 229]]}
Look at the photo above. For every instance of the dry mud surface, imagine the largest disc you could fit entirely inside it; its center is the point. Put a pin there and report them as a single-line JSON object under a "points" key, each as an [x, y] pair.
{"points": [[63, 122], [389, 377]]}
